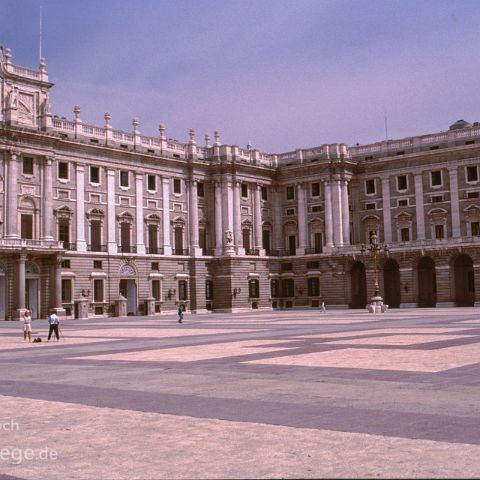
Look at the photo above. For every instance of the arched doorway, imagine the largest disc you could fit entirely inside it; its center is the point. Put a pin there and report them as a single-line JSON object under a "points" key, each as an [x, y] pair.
{"points": [[464, 281], [427, 283], [128, 287], [359, 285], [391, 282]]}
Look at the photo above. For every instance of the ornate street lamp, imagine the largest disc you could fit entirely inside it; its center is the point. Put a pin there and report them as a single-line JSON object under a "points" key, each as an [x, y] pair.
{"points": [[375, 249]]}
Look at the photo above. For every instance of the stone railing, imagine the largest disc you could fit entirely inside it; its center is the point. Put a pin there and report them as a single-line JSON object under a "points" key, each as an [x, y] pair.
{"points": [[23, 71], [20, 243]]}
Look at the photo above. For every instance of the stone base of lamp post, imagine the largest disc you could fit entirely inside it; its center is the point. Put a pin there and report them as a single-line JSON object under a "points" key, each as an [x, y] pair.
{"points": [[376, 305]]}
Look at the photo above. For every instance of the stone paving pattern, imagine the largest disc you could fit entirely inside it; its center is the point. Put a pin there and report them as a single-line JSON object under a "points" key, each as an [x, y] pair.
{"points": [[291, 394]]}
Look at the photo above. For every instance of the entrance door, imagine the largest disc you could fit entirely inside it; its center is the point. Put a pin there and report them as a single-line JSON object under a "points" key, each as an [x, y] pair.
{"points": [[359, 285], [31, 296], [391, 282], [464, 281], [427, 283], [2, 297], [128, 288]]}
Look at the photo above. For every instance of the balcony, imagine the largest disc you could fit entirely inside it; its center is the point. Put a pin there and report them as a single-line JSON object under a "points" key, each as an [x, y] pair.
{"points": [[312, 251], [126, 249], [96, 248], [252, 251], [30, 244], [154, 250], [180, 251], [69, 246], [282, 253], [208, 252]]}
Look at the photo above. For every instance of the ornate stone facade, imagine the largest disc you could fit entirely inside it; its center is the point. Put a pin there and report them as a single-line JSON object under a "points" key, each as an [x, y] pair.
{"points": [[91, 212]]}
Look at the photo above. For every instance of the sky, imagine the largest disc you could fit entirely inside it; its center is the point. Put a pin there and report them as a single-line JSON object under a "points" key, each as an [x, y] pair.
{"points": [[281, 74]]}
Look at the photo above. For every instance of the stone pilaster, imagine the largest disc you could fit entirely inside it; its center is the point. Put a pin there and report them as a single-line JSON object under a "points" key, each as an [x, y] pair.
{"points": [[80, 208], [419, 210], [193, 219], [11, 206], [21, 286], [302, 219], [58, 307], [237, 219], [327, 197], [387, 216], [167, 245], [258, 241], [47, 203], [218, 219], [337, 212], [139, 212], [111, 220], [454, 202], [345, 212], [227, 207]]}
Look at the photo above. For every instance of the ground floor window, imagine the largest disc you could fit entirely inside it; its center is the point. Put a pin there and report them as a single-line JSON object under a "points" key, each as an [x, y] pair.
{"points": [[66, 290], [209, 289], [98, 290], [182, 290], [254, 288], [288, 287], [156, 290], [313, 287]]}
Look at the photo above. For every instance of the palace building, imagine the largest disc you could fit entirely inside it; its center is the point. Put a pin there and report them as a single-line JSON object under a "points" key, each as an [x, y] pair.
{"points": [[95, 221]]}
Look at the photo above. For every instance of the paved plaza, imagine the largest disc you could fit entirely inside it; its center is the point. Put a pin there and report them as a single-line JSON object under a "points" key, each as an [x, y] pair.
{"points": [[290, 394]]}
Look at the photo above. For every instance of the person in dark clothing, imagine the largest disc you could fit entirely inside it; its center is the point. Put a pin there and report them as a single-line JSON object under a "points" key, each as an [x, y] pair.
{"points": [[180, 313]]}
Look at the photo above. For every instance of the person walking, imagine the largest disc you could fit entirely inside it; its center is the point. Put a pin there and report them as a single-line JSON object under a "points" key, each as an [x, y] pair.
{"points": [[53, 321], [322, 307], [180, 313], [27, 325]]}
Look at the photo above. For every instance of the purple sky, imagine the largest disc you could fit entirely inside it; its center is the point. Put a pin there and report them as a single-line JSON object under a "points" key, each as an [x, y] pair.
{"points": [[281, 74]]}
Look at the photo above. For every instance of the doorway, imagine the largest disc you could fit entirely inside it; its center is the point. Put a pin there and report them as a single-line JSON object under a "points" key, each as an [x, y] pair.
{"points": [[464, 281], [128, 288], [359, 285], [391, 282], [31, 296], [2, 296], [427, 283]]}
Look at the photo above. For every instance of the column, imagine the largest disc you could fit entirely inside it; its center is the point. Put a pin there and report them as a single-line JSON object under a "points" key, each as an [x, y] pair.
{"points": [[218, 219], [111, 220], [80, 208], [454, 202], [12, 194], [237, 219], [277, 202], [47, 204], [167, 246], [193, 219], [327, 196], [58, 308], [337, 213], [387, 215], [258, 231], [227, 199], [420, 214], [345, 213], [21, 286], [139, 212], [302, 220]]}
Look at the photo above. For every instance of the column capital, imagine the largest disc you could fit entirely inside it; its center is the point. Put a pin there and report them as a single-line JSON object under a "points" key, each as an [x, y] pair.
{"points": [[22, 257], [80, 167], [258, 186], [110, 171], [49, 160], [139, 175], [14, 154], [166, 179], [300, 185]]}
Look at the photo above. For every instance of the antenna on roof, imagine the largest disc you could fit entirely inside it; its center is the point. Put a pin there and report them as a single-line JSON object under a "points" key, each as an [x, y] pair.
{"points": [[40, 34], [386, 126]]}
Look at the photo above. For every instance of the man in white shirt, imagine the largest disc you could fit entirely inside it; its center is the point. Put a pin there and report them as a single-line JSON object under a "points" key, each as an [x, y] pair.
{"points": [[53, 321]]}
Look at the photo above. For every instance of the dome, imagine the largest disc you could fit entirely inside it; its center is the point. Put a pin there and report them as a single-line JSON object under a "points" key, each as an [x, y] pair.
{"points": [[460, 124]]}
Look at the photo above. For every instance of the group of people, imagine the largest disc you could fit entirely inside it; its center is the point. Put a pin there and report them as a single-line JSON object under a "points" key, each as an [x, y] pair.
{"points": [[53, 322]]}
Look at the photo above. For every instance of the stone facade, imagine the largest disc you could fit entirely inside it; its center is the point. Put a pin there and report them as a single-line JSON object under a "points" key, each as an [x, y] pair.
{"points": [[93, 215]]}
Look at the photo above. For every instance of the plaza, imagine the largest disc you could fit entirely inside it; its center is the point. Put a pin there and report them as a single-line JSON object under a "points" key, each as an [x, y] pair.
{"points": [[284, 394]]}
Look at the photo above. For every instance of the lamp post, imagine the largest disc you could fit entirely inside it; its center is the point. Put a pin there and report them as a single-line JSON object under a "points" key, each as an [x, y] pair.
{"points": [[375, 249]]}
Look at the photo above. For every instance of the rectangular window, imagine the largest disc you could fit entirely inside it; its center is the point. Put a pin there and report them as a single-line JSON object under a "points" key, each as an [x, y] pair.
{"points": [[316, 208], [436, 178], [155, 266], [405, 234], [266, 241], [403, 202], [473, 194], [317, 242], [439, 232], [264, 193], [370, 206], [177, 186], [437, 198], [244, 188], [27, 166], [64, 232], [97, 264], [63, 170], [94, 175], [290, 192], [152, 183], [288, 287], [370, 187], [65, 263], [313, 265], [98, 290], [200, 190], [182, 290], [156, 290], [125, 237], [315, 189], [472, 174], [475, 229], [402, 183], [153, 238], [66, 290], [26, 227], [274, 289], [246, 238], [209, 289], [290, 211], [95, 235], [292, 244], [286, 267], [313, 287], [124, 178], [254, 288]]}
